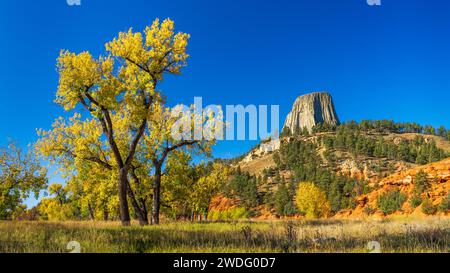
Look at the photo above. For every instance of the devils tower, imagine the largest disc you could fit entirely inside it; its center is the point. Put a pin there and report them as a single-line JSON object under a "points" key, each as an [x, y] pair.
{"points": [[311, 109]]}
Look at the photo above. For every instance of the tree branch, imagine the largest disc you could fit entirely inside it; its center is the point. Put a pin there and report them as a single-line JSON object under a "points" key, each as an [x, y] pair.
{"points": [[174, 147]]}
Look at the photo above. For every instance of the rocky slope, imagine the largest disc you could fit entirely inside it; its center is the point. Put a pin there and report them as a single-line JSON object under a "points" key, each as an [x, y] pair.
{"points": [[310, 110], [381, 173], [438, 174]]}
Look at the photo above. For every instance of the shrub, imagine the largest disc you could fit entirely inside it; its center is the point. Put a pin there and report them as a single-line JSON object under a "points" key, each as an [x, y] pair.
{"points": [[229, 214], [238, 213], [428, 208], [415, 201], [368, 210], [391, 201], [311, 201], [445, 204], [421, 183]]}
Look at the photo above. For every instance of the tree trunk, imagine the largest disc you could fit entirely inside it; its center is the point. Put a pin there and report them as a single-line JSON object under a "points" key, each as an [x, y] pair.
{"points": [[143, 221], [144, 214], [91, 212], [156, 196], [140, 212], [123, 202], [105, 215]]}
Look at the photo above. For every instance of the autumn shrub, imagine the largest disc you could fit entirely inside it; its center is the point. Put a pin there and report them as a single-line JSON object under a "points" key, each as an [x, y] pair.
{"points": [[391, 201], [312, 201]]}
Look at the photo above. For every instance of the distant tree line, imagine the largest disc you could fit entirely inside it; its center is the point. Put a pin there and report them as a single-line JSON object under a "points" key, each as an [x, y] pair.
{"points": [[376, 126], [419, 150]]}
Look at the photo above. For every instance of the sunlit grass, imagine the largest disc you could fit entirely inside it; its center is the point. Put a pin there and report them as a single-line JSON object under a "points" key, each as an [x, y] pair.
{"points": [[395, 235]]}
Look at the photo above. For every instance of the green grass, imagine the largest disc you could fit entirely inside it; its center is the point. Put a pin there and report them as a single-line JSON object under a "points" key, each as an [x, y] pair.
{"points": [[394, 235]]}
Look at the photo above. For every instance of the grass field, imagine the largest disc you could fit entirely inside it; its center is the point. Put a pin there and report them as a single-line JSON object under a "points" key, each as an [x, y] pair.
{"points": [[393, 235]]}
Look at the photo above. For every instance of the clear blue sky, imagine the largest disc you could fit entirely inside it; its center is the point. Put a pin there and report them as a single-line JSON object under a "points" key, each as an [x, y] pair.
{"points": [[378, 62]]}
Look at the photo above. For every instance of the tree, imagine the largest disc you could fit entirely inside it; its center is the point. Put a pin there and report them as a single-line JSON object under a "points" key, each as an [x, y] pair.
{"points": [[283, 200], [312, 201], [192, 130], [391, 201], [244, 186], [93, 191], [429, 130], [59, 206], [85, 160], [421, 183], [442, 131], [59, 192], [209, 186], [118, 91], [20, 175], [187, 189], [178, 180]]}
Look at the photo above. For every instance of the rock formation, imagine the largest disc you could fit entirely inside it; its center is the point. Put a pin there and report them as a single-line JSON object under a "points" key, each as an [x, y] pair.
{"points": [[263, 149], [310, 110]]}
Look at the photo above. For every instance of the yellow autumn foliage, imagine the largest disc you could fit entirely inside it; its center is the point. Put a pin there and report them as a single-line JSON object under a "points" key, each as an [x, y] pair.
{"points": [[312, 201]]}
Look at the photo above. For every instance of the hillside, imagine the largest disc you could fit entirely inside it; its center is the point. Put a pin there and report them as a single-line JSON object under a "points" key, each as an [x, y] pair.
{"points": [[256, 161], [257, 165], [438, 175], [440, 142], [373, 162]]}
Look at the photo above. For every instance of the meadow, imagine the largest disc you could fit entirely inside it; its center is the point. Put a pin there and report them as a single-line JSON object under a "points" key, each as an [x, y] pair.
{"points": [[393, 235]]}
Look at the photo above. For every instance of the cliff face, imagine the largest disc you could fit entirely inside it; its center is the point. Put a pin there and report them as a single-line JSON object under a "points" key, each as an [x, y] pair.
{"points": [[310, 110]]}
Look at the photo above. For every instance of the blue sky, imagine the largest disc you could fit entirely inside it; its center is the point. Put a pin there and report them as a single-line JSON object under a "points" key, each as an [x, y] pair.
{"points": [[378, 62]]}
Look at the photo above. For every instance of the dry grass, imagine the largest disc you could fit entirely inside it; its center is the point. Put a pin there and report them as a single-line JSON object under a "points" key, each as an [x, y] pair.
{"points": [[257, 165], [394, 235]]}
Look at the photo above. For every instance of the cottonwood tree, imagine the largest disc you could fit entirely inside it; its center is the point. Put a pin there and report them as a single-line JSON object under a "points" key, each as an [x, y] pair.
{"points": [[58, 207], [177, 183], [118, 91], [209, 186], [192, 130], [187, 189], [86, 160], [93, 191], [311, 200], [20, 175]]}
